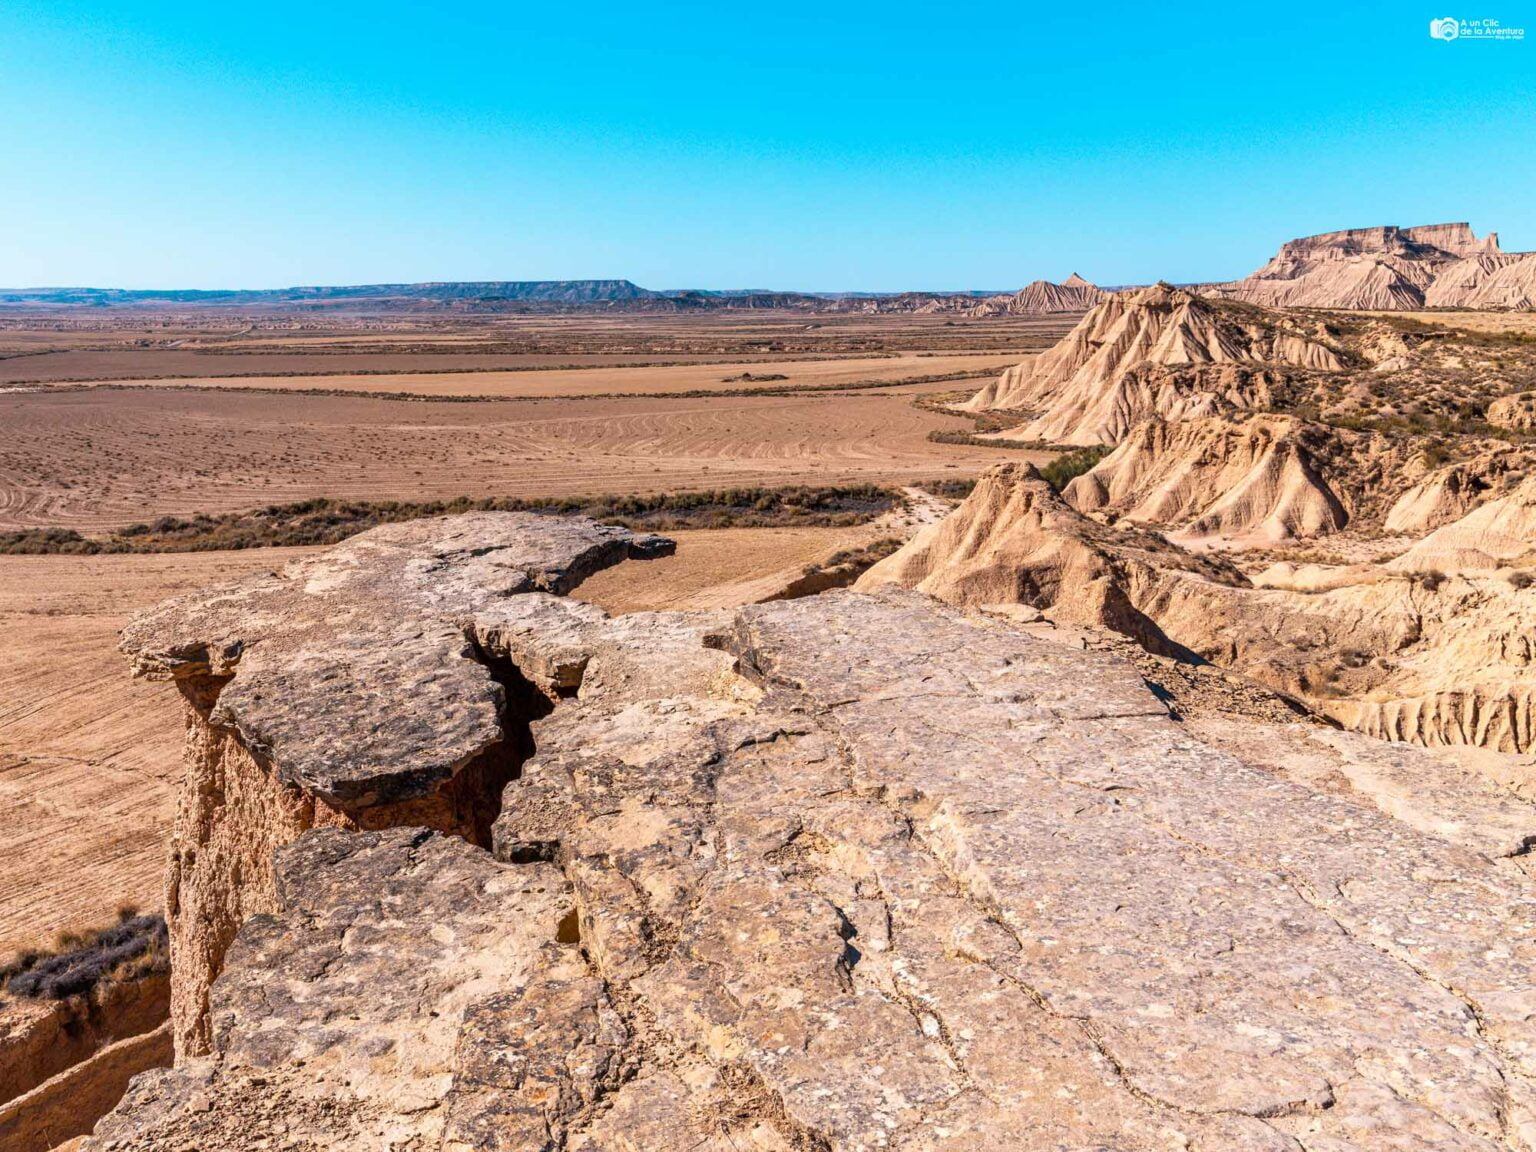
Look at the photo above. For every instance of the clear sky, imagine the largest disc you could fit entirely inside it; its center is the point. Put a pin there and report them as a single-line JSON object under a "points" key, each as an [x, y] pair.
{"points": [[829, 146]]}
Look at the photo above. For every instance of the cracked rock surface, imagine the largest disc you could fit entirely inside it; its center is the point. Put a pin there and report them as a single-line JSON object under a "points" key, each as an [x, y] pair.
{"points": [[861, 871]]}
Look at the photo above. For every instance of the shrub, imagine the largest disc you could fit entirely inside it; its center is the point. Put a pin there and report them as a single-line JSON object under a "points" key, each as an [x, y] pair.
{"points": [[134, 946], [1070, 465], [947, 489], [1431, 579]]}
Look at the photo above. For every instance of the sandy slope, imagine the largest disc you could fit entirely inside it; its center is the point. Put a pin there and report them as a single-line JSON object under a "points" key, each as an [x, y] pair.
{"points": [[87, 756]]}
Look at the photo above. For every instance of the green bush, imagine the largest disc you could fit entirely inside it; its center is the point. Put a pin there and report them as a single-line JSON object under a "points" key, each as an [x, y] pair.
{"points": [[1070, 465]]}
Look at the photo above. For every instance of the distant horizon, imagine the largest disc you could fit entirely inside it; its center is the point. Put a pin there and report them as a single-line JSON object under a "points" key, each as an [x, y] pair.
{"points": [[167, 142], [1110, 284], [732, 290]]}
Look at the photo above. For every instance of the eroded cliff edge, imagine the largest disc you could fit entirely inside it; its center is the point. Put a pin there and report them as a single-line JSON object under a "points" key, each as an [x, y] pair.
{"points": [[855, 871]]}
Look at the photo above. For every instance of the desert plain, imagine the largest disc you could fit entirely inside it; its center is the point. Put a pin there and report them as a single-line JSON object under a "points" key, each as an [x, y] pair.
{"points": [[114, 421]]}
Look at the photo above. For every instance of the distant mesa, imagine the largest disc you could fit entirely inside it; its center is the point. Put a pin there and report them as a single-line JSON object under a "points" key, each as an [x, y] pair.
{"points": [[1041, 298], [1391, 269]]}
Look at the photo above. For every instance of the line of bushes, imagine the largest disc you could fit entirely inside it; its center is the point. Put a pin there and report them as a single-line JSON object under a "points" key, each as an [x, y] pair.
{"points": [[324, 521], [1070, 465]]}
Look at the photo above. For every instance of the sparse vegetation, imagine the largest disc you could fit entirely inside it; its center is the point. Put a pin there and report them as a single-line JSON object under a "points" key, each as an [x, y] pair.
{"points": [[858, 559], [959, 436], [1070, 465], [134, 947], [320, 521], [956, 490], [1430, 579]]}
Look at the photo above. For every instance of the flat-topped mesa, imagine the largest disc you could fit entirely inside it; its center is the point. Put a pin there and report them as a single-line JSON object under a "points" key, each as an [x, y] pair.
{"points": [[1387, 267], [931, 885], [1160, 352], [361, 687]]}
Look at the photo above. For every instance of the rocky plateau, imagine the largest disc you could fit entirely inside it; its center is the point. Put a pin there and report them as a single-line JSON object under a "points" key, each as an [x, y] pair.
{"points": [[462, 863], [1391, 268]]}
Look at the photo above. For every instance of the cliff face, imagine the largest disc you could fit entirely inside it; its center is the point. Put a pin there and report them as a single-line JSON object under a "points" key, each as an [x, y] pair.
{"points": [[854, 871], [1434, 265], [346, 692]]}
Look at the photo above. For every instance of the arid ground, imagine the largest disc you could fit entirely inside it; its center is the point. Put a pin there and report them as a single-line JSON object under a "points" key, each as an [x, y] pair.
{"points": [[88, 757], [107, 421]]}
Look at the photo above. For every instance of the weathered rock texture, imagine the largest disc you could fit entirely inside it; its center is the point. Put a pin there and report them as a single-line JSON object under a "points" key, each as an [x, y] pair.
{"points": [[1433, 647], [1435, 265], [858, 871], [1254, 481], [1161, 352], [350, 690], [1041, 297]]}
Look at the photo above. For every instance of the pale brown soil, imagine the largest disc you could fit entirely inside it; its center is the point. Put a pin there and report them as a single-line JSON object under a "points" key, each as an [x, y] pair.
{"points": [[90, 345], [94, 460], [712, 377], [717, 569], [1516, 323], [88, 756]]}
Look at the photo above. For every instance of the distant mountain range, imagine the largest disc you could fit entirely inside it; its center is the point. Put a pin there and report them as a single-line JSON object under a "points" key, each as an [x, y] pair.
{"points": [[539, 296]]}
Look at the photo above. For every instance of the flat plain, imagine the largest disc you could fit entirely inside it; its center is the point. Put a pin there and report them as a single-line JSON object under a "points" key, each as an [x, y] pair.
{"points": [[89, 757], [109, 420], [124, 448]]}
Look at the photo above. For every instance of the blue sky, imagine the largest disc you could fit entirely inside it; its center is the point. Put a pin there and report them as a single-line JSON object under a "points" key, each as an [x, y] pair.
{"points": [[879, 147]]}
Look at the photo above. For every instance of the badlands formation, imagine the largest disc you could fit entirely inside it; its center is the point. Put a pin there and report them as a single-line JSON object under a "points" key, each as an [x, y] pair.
{"points": [[1159, 351], [1340, 508], [462, 863], [1432, 266], [1181, 800], [1041, 297]]}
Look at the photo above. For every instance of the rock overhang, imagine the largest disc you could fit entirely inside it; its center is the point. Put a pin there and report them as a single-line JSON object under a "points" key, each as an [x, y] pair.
{"points": [[359, 674]]}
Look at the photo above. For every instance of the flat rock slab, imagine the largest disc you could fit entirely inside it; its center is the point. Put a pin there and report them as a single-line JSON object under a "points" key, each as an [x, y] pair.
{"points": [[861, 872], [358, 677]]}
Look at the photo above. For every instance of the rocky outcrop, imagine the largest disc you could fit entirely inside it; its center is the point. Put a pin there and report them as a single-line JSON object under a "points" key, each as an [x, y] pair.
{"points": [[1014, 540], [1448, 493], [1043, 298], [860, 871], [1390, 268], [1431, 648], [351, 690], [1495, 534], [1218, 480], [1517, 411], [1159, 353]]}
